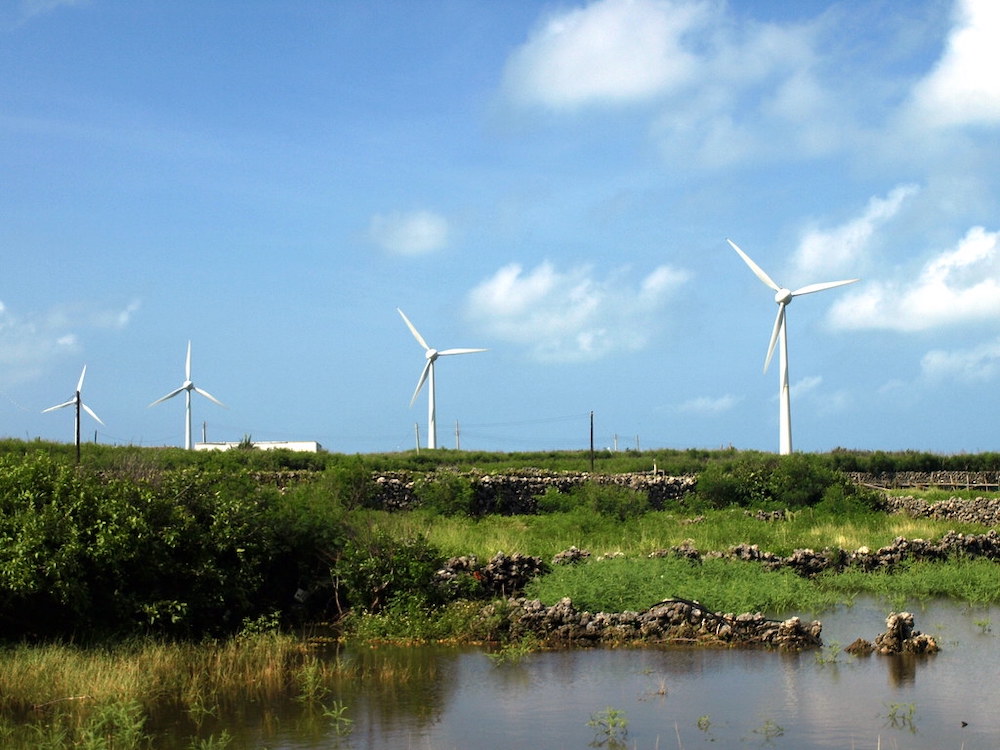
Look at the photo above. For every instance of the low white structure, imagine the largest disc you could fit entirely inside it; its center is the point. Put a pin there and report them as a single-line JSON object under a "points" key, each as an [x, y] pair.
{"points": [[305, 446]]}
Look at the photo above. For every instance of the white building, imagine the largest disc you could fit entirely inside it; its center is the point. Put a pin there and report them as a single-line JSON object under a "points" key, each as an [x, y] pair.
{"points": [[304, 446]]}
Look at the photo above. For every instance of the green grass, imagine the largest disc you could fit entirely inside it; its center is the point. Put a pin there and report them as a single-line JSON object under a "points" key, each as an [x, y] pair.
{"points": [[720, 585], [546, 535]]}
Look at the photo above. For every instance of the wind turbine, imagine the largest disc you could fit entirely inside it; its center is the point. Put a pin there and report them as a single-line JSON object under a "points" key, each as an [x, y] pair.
{"points": [[186, 387], [782, 297], [76, 401], [427, 374]]}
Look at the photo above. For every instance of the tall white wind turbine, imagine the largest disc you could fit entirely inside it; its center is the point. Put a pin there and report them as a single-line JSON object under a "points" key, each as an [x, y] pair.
{"points": [[186, 387], [427, 374], [782, 297], [76, 401]]}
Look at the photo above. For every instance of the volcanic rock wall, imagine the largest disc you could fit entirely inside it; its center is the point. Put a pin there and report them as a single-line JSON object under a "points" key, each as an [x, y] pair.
{"points": [[517, 492]]}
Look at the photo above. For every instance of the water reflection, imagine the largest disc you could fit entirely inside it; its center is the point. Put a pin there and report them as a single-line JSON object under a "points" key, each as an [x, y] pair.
{"points": [[443, 698]]}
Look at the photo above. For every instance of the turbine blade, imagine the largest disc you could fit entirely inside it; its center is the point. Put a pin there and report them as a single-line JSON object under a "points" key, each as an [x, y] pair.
{"points": [[187, 365], [461, 351], [810, 288], [60, 406], [79, 385], [209, 396], [423, 379], [758, 271], [779, 321], [90, 412], [169, 395], [413, 330]]}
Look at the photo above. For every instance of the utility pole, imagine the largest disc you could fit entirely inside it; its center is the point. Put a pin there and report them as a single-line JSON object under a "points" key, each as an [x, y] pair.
{"points": [[637, 444], [616, 442], [591, 441], [458, 437], [416, 430]]}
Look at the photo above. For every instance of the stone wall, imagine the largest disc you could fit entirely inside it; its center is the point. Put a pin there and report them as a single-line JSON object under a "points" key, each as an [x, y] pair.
{"points": [[511, 493]]}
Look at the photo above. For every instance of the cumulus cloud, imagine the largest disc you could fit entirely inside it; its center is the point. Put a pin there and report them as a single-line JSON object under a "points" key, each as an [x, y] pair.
{"points": [[964, 88], [409, 233], [608, 51], [708, 405], [842, 248], [571, 316], [977, 364], [959, 285]]}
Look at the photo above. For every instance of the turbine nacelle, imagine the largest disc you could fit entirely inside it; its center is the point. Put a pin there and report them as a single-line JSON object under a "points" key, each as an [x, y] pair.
{"points": [[783, 296], [431, 354]]}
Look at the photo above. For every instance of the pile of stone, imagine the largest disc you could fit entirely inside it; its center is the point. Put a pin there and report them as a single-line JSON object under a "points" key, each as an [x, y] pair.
{"points": [[571, 556], [899, 638], [768, 515], [504, 575], [984, 510], [809, 563], [670, 621]]}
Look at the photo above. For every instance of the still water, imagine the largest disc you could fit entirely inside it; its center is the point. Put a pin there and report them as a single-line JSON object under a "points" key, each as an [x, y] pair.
{"points": [[458, 699]]}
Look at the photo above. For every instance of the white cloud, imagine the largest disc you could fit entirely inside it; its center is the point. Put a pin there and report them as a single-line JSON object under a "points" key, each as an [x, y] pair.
{"points": [[607, 51], [569, 315], [842, 249], [409, 233], [28, 344], [959, 285], [805, 385], [708, 405], [964, 87], [977, 364]]}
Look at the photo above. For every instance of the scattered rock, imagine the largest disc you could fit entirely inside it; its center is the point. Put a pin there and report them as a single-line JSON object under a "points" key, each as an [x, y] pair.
{"points": [[900, 637]]}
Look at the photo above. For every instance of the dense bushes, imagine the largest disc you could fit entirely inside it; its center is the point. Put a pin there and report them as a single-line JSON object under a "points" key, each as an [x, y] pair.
{"points": [[765, 479], [186, 552]]}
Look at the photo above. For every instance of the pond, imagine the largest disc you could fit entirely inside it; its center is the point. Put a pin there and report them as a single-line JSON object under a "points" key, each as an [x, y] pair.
{"points": [[651, 698]]}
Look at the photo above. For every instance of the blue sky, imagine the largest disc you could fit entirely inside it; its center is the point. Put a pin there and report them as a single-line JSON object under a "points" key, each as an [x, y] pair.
{"points": [[553, 181]]}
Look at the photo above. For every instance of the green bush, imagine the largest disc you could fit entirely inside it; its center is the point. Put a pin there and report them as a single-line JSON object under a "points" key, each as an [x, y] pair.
{"points": [[446, 493], [182, 553], [375, 568], [760, 480]]}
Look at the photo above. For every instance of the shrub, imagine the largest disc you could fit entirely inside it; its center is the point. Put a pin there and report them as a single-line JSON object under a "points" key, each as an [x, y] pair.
{"points": [[446, 493], [375, 568], [755, 479]]}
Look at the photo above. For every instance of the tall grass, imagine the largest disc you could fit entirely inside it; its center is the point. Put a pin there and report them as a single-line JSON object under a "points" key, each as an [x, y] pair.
{"points": [[546, 535]]}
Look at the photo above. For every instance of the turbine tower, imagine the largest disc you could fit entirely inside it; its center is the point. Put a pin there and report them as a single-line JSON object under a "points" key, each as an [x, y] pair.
{"points": [[186, 387], [782, 297], [76, 401], [428, 375]]}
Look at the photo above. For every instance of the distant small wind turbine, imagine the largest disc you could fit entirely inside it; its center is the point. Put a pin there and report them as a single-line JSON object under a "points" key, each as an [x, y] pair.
{"points": [[782, 297], [186, 387], [427, 374], [76, 401]]}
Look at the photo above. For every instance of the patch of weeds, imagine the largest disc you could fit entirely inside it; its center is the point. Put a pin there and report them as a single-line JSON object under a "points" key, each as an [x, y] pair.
{"points": [[769, 730], [610, 728], [984, 625], [830, 654], [515, 651], [336, 713], [311, 682], [901, 716], [212, 742]]}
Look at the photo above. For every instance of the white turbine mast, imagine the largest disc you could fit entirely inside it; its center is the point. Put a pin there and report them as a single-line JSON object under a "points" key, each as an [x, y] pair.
{"points": [[186, 387], [427, 375], [782, 297], [77, 402]]}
